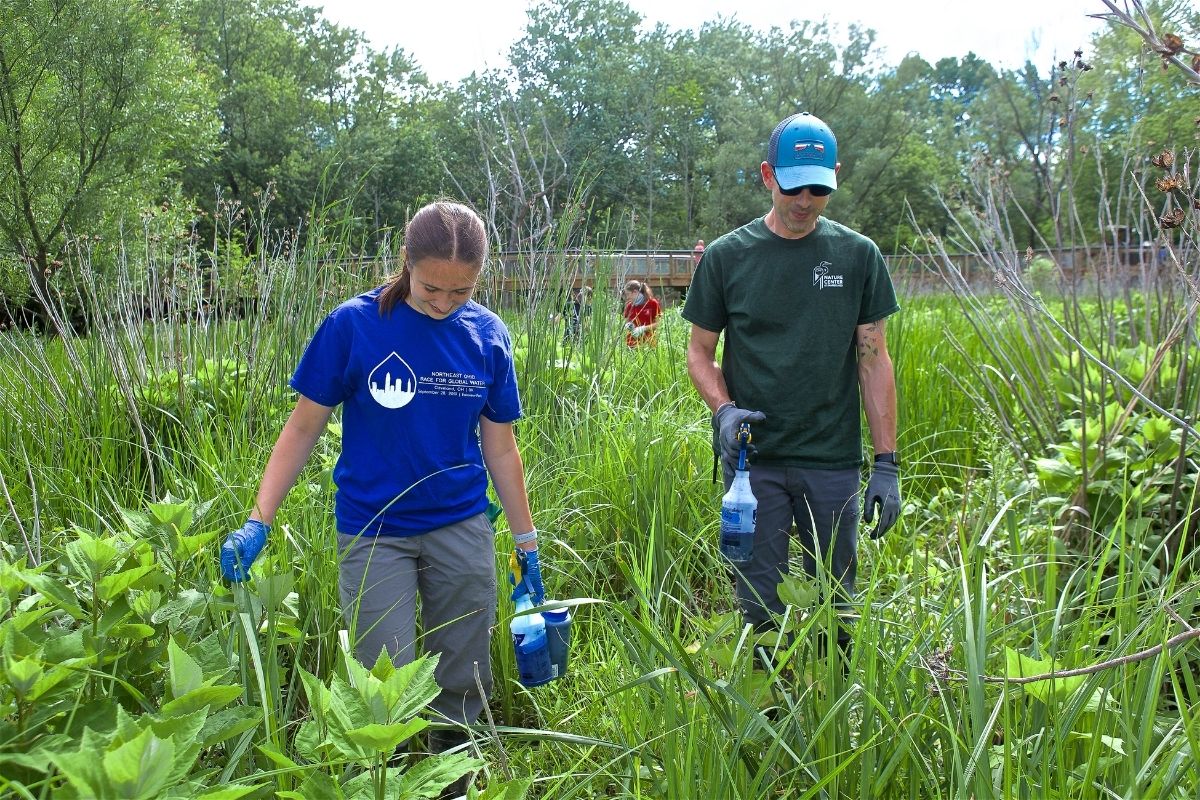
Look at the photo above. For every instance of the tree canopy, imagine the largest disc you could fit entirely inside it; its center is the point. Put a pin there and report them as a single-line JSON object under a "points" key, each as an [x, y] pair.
{"points": [[101, 104], [653, 135]]}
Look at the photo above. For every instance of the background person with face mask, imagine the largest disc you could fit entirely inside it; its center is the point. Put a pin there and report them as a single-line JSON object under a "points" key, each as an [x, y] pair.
{"points": [[641, 313]]}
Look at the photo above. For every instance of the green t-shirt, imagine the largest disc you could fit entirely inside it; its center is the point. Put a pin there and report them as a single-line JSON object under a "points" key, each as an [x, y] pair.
{"points": [[789, 308]]}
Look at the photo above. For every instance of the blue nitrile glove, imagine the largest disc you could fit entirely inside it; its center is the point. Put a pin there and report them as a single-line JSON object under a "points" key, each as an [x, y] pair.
{"points": [[725, 430], [883, 490], [241, 548], [525, 574], [639, 331]]}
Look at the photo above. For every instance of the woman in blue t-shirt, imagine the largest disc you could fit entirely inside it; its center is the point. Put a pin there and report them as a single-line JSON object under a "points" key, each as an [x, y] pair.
{"points": [[428, 391]]}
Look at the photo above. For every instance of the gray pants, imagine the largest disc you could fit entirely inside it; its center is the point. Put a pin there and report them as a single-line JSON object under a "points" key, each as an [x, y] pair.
{"points": [[453, 570], [824, 507]]}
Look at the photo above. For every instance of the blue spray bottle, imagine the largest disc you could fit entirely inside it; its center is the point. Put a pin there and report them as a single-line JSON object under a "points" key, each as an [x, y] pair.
{"points": [[739, 507], [531, 645]]}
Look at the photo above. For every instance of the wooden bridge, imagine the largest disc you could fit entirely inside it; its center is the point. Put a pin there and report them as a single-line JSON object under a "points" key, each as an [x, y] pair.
{"points": [[669, 272], [666, 269]]}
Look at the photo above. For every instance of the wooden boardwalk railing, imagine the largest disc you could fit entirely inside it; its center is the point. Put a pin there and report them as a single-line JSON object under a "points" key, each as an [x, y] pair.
{"points": [[670, 271]]}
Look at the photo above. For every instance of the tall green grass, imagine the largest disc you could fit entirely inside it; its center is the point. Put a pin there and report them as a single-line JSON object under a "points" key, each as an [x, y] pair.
{"points": [[668, 696]]}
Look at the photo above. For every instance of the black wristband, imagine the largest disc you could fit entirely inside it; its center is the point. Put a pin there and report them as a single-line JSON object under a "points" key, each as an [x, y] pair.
{"points": [[887, 458]]}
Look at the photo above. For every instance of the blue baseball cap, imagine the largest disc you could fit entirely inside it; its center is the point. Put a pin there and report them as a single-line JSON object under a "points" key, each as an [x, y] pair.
{"points": [[802, 152]]}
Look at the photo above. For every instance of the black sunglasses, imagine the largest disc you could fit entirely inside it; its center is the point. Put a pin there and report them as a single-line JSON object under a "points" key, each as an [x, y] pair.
{"points": [[816, 190]]}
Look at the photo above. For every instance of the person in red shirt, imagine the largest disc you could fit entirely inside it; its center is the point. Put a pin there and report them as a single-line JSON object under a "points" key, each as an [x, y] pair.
{"points": [[641, 313]]}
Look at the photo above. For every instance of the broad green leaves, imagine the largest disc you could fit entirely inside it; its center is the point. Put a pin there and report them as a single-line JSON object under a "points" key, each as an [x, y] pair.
{"points": [[97, 607], [139, 768], [363, 721], [1050, 690], [369, 716], [189, 690]]}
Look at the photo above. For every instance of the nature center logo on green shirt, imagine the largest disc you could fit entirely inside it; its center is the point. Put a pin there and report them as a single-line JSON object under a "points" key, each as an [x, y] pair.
{"points": [[822, 279]]}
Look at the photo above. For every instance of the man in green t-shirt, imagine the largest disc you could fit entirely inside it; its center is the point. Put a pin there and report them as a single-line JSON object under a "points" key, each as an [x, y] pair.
{"points": [[803, 302]]}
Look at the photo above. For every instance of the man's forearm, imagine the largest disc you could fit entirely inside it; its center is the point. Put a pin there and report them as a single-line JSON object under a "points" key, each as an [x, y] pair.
{"points": [[878, 384]]}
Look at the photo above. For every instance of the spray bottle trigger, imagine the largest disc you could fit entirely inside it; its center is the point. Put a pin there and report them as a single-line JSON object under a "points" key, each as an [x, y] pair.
{"points": [[743, 437], [516, 568]]}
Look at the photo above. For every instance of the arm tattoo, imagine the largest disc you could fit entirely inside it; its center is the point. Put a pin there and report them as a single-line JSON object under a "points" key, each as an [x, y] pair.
{"points": [[868, 341]]}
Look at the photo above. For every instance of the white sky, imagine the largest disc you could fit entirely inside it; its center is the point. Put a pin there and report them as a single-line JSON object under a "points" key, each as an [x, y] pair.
{"points": [[451, 41]]}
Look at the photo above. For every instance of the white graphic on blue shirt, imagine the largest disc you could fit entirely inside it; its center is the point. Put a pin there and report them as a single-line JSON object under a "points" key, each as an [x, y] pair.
{"points": [[393, 383], [453, 384]]}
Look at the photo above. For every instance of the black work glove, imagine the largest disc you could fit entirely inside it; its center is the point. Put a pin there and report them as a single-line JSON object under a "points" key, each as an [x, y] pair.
{"points": [[725, 425], [883, 490]]}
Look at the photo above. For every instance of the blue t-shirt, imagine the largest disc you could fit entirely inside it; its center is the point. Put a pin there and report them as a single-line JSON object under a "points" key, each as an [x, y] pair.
{"points": [[412, 389]]}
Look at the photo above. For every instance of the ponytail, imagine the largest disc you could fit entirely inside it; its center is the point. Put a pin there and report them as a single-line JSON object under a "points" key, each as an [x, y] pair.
{"points": [[397, 289], [640, 286]]}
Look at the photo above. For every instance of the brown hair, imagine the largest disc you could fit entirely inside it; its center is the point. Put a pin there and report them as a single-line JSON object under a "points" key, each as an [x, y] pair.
{"points": [[640, 286], [445, 230]]}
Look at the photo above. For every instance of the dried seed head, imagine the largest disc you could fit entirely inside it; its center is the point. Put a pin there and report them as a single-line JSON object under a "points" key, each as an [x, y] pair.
{"points": [[1053, 98], [1164, 160], [1170, 183], [1172, 219], [1171, 44]]}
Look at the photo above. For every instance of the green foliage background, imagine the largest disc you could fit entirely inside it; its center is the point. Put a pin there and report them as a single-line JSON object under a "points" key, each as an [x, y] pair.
{"points": [[264, 108]]}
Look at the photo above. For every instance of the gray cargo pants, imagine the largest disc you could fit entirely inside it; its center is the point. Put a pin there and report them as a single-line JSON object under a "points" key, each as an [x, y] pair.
{"points": [[453, 570], [824, 506]]}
